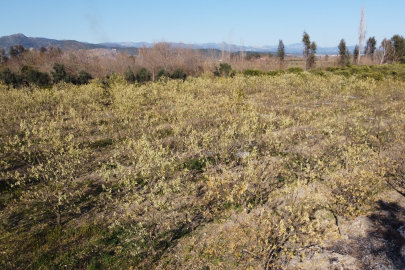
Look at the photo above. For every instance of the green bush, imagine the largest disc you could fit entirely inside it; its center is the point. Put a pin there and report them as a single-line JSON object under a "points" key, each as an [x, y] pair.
{"points": [[332, 69], [24, 70], [9, 78], [254, 72], [295, 70], [354, 70], [343, 72], [223, 70], [400, 76], [129, 75], [38, 78], [59, 74], [275, 72], [365, 68], [84, 77], [393, 72], [70, 78], [143, 75], [318, 72], [178, 74], [374, 75], [162, 73], [234, 72]]}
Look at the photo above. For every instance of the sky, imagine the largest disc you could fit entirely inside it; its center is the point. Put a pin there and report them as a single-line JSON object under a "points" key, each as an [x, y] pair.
{"points": [[254, 23]]}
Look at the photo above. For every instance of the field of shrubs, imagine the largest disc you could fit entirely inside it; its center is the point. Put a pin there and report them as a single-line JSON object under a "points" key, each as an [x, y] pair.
{"points": [[253, 170]]}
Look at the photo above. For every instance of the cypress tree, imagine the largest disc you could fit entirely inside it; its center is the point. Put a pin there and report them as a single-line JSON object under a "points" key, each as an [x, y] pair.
{"points": [[3, 56], [398, 44], [370, 47], [129, 75], [143, 75], [280, 50], [59, 74], [309, 51], [179, 74], [356, 52], [162, 73], [344, 53]]}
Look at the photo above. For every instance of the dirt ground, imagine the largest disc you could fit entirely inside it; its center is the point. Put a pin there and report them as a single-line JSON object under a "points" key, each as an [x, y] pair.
{"points": [[373, 241]]}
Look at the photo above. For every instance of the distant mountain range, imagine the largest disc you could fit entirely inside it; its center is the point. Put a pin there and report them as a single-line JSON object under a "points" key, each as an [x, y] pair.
{"points": [[131, 48], [32, 42], [295, 48]]}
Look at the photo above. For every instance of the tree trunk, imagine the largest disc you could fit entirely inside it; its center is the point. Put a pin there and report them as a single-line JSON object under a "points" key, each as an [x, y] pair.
{"points": [[58, 217]]}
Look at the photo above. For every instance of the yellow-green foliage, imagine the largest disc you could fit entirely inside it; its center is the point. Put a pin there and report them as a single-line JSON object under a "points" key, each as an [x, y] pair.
{"points": [[378, 73], [135, 173]]}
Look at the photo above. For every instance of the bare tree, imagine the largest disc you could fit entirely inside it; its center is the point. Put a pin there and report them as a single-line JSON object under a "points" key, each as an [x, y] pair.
{"points": [[362, 33], [230, 36], [241, 49], [386, 50]]}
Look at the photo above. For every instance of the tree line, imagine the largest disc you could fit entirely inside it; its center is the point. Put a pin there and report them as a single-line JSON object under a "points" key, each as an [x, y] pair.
{"points": [[29, 75], [22, 67], [390, 51]]}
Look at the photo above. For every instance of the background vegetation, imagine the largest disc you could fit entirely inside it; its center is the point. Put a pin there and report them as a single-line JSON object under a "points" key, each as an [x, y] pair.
{"points": [[24, 67]]}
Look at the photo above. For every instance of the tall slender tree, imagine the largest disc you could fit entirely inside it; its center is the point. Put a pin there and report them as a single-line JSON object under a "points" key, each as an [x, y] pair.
{"points": [[280, 50], [369, 50], [362, 33], [312, 52], [3, 56], [309, 51], [307, 43], [13, 52], [344, 53], [355, 53], [398, 44]]}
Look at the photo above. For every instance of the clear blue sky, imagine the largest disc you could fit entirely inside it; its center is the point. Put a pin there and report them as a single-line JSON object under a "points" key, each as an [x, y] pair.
{"points": [[257, 22]]}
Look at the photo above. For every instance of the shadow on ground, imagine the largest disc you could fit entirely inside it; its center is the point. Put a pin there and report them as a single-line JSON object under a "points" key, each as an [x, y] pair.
{"points": [[383, 247]]}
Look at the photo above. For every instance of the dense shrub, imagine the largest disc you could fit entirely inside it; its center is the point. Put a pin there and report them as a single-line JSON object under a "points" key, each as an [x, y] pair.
{"points": [[234, 72], [374, 75], [295, 70], [143, 76], [343, 72], [59, 74], [129, 75], [318, 72], [365, 68], [38, 78], [178, 74], [9, 78], [84, 77], [254, 72], [70, 78], [275, 72], [331, 69], [379, 73], [223, 70], [162, 73]]}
